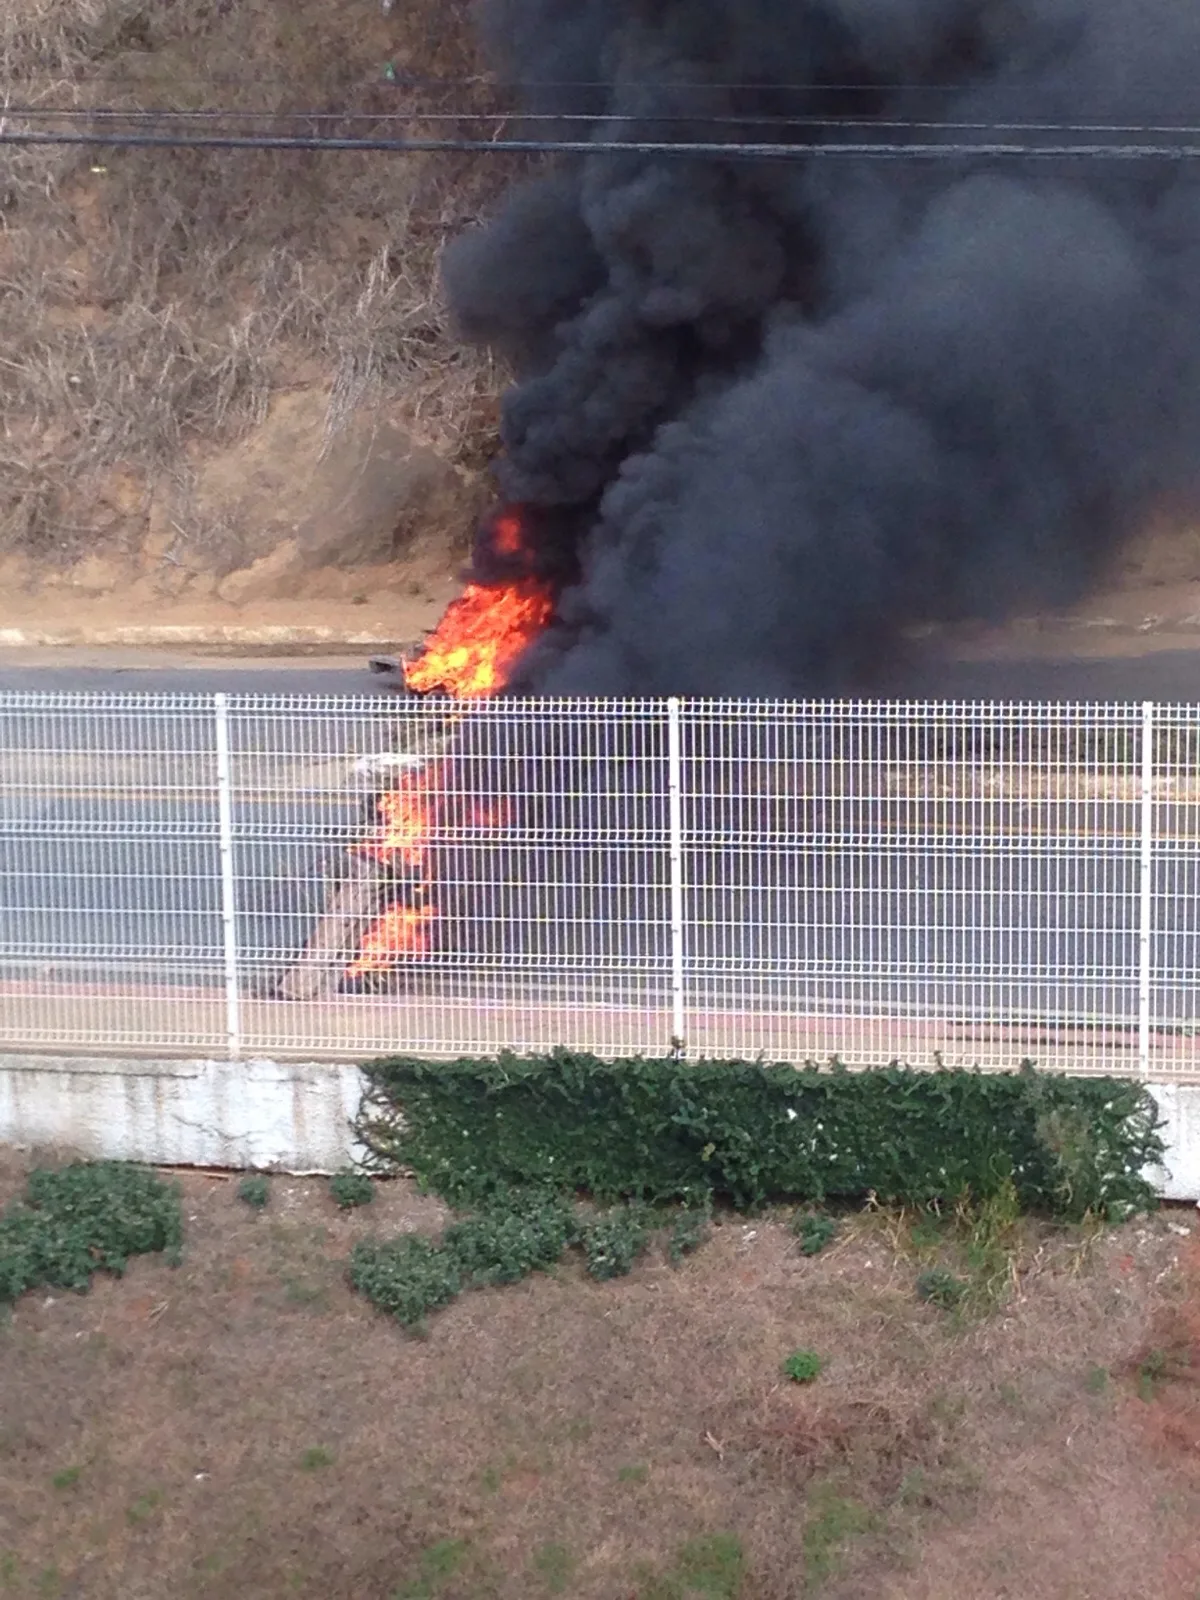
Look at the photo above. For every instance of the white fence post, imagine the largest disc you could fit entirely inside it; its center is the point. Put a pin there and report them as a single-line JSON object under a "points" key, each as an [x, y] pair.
{"points": [[1146, 888], [233, 1005], [675, 831]]}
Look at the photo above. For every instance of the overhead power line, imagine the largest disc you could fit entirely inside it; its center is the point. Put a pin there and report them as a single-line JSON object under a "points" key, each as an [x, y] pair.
{"points": [[154, 116], [872, 150]]}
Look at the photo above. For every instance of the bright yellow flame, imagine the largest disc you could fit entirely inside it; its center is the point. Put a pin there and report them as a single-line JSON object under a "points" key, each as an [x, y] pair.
{"points": [[480, 637]]}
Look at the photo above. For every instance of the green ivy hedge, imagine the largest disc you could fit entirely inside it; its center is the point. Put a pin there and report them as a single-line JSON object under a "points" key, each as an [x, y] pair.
{"points": [[661, 1129]]}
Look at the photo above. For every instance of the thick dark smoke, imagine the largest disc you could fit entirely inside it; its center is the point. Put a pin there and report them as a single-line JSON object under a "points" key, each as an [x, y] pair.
{"points": [[772, 411]]}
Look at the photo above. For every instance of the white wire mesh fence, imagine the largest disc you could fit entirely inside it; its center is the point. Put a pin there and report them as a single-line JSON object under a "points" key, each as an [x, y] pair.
{"points": [[244, 875]]}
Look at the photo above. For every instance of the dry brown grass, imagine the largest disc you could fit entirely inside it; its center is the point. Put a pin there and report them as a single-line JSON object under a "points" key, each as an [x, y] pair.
{"points": [[245, 1426], [150, 309]]}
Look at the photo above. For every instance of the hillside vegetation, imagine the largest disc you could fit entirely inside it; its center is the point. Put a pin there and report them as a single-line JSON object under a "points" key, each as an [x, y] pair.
{"points": [[201, 350]]}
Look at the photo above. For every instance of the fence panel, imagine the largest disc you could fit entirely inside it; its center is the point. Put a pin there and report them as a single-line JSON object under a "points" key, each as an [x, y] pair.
{"points": [[306, 875], [1174, 945], [914, 882], [110, 885], [513, 894]]}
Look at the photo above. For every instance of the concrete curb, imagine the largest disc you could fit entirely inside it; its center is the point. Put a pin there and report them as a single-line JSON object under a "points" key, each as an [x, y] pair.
{"points": [[294, 1116], [274, 636]]}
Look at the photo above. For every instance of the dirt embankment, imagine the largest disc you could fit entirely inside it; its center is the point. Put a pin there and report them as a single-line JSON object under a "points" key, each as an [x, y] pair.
{"points": [[229, 385]]}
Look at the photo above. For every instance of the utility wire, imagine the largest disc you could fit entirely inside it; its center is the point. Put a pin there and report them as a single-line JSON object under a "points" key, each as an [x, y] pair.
{"points": [[712, 151], [393, 77], [891, 125]]}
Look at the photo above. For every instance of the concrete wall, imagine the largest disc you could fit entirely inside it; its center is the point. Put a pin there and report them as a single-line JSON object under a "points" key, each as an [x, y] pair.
{"points": [[292, 1116]]}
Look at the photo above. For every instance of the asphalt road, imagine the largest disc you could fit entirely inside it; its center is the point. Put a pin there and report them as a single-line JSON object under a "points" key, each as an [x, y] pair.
{"points": [[927, 673], [110, 862]]}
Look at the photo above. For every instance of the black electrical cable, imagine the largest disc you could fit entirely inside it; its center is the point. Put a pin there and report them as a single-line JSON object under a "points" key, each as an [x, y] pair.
{"points": [[684, 149], [896, 125]]}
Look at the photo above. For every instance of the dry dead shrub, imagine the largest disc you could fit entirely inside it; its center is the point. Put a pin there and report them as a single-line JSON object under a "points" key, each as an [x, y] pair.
{"points": [[880, 1443], [152, 300]]}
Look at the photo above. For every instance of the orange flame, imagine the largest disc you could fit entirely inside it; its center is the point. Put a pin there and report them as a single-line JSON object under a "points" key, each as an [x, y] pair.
{"points": [[405, 822], [474, 646], [470, 654], [508, 534], [401, 931]]}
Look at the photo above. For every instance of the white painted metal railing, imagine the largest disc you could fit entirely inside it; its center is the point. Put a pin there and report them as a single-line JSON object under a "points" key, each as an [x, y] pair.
{"points": [[979, 884]]}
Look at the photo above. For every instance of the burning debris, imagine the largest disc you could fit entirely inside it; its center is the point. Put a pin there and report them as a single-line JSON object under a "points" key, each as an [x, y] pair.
{"points": [[384, 912], [479, 640]]}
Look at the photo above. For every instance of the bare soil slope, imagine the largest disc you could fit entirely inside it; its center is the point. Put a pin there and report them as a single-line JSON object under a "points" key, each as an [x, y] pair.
{"points": [[227, 376]]}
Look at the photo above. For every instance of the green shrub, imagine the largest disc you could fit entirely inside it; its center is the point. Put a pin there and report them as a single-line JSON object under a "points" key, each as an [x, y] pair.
{"points": [[688, 1232], [254, 1191], [815, 1230], [504, 1246], [613, 1242], [803, 1366], [942, 1289], [350, 1189], [83, 1218], [21, 1237], [412, 1276], [407, 1277], [681, 1131]]}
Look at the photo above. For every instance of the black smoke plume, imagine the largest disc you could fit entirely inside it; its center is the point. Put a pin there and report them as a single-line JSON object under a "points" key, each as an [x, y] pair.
{"points": [[769, 411]]}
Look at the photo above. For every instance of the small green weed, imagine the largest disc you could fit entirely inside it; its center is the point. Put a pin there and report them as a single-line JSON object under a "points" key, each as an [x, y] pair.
{"points": [[49, 1583], [991, 1227], [349, 1189], [713, 1566], [1095, 1380], [79, 1219], [255, 1191], [299, 1293], [834, 1520], [67, 1478], [688, 1232], [614, 1242], [554, 1565], [438, 1564], [1150, 1373], [940, 1288], [803, 1366], [412, 1276], [315, 1458], [914, 1488], [814, 1230], [637, 1472], [144, 1507], [927, 1230]]}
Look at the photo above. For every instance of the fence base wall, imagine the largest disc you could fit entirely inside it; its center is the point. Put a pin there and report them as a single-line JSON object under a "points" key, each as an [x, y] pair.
{"points": [[287, 1116], [294, 1116]]}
